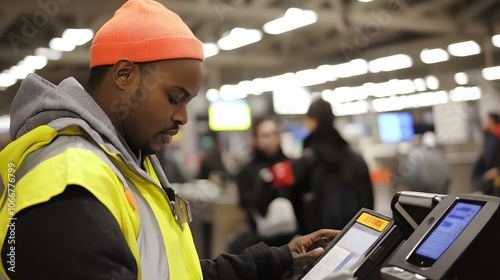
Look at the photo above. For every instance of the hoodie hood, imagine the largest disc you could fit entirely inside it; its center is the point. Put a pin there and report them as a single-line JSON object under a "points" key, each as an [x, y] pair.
{"points": [[38, 102], [328, 145]]}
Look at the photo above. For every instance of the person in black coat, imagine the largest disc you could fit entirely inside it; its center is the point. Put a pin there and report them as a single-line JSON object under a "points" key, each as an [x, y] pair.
{"points": [[255, 195], [333, 180], [486, 166]]}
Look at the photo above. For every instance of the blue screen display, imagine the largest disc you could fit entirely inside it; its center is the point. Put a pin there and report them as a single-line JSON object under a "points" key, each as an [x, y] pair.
{"points": [[395, 126], [448, 230]]}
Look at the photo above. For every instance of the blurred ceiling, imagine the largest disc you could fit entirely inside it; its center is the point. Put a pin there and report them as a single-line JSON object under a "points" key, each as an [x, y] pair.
{"points": [[345, 30]]}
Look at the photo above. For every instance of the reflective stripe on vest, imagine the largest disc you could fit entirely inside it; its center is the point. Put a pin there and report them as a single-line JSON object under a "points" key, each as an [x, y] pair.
{"points": [[153, 256]]}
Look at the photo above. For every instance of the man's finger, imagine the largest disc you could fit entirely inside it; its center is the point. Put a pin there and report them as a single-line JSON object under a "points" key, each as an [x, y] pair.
{"points": [[323, 233], [313, 254]]}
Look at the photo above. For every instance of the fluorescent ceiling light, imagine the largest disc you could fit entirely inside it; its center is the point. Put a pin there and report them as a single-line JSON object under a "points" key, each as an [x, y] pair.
{"points": [[210, 49], [4, 123], [392, 103], [466, 48], [427, 99], [231, 92], [59, 44], [309, 77], [390, 63], [491, 73], [351, 108], [432, 82], [261, 85], [294, 18], [33, 62], [352, 68], [396, 103], [461, 78], [465, 93], [496, 40], [291, 100], [429, 56], [344, 94], [420, 84], [78, 37], [327, 72], [50, 54], [7, 79], [20, 72], [239, 37], [212, 94]]}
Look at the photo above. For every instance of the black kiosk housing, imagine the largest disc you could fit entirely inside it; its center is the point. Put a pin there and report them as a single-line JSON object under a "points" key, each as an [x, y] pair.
{"points": [[457, 240]]}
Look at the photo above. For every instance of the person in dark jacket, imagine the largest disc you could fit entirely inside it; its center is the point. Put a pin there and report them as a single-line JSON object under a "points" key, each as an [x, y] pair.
{"points": [[254, 194], [334, 180], [126, 222], [486, 166]]}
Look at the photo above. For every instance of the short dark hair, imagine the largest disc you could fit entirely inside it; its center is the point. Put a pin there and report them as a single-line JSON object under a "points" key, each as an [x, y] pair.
{"points": [[495, 117], [98, 73], [321, 111]]}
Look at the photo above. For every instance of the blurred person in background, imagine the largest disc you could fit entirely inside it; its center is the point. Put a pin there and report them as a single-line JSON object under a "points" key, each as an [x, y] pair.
{"points": [[486, 166], [255, 195], [87, 197], [211, 162], [425, 169], [333, 181]]}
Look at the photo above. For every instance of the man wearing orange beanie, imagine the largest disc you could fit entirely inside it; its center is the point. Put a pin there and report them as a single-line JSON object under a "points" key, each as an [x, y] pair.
{"points": [[83, 196]]}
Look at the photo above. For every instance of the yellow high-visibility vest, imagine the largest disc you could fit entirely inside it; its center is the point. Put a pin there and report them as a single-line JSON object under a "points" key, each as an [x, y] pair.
{"points": [[40, 164]]}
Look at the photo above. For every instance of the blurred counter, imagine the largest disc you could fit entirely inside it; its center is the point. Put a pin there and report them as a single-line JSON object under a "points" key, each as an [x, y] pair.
{"points": [[216, 214]]}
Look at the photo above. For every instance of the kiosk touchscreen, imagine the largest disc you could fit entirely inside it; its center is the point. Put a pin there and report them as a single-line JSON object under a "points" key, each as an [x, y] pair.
{"points": [[359, 249], [457, 240]]}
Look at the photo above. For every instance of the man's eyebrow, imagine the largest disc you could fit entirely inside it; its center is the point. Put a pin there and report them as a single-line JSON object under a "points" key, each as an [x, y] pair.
{"points": [[183, 90]]}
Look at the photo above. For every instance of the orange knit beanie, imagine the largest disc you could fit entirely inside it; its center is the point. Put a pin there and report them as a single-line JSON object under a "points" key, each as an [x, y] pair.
{"points": [[144, 31]]}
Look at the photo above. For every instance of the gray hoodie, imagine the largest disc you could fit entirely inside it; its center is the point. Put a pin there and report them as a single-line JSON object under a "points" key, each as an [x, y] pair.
{"points": [[39, 102]]}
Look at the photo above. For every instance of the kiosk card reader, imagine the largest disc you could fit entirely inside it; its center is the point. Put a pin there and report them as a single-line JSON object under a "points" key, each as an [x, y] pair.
{"points": [[457, 240], [359, 250]]}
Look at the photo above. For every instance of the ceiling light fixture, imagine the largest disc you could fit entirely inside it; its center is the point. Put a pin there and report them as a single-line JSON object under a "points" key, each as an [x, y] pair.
{"points": [[352, 68], [239, 37], [50, 54], [77, 37], [430, 56], [210, 49], [390, 63], [491, 73], [294, 18], [495, 40], [59, 44], [466, 48], [461, 78]]}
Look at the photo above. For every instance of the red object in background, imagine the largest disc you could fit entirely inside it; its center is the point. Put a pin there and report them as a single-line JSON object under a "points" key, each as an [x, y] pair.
{"points": [[283, 175]]}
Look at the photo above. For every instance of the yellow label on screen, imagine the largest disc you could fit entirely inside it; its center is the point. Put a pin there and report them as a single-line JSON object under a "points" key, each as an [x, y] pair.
{"points": [[373, 222]]}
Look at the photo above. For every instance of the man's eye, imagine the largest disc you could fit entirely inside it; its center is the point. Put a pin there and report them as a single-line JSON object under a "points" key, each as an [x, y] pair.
{"points": [[172, 101]]}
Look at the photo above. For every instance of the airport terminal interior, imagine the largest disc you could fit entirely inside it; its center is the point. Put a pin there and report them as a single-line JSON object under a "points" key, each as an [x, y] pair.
{"points": [[399, 74]]}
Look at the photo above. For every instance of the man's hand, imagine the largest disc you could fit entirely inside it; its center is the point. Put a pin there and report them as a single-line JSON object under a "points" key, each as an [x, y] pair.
{"points": [[307, 248]]}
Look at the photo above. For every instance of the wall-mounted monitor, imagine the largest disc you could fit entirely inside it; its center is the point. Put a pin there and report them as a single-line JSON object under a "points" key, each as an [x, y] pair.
{"points": [[395, 127], [231, 115]]}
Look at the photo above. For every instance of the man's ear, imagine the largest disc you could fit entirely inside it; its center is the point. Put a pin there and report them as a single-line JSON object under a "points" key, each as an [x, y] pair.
{"points": [[124, 74]]}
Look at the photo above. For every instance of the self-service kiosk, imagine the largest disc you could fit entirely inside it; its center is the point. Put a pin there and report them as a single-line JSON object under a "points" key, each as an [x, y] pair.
{"points": [[429, 236], [457, 240]]}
